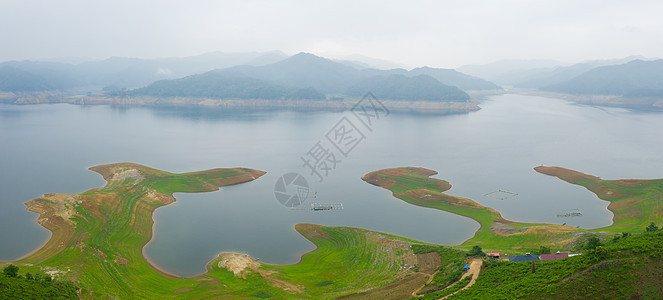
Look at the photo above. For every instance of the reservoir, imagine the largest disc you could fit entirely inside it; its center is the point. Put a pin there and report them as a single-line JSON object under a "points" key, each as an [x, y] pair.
{"points": [[48, 148]]}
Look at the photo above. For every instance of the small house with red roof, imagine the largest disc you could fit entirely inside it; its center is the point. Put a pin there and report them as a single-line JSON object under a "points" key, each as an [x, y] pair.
{"points": [[553, 256]]}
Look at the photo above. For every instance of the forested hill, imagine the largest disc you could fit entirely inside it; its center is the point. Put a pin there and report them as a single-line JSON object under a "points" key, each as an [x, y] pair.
{"points": [[304, 70], [399, 87], [637, 78], [306, 76], [228, 85]]}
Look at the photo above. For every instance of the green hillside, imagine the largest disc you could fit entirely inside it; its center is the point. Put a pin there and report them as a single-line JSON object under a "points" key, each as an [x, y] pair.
{"points": [[626, 268]]}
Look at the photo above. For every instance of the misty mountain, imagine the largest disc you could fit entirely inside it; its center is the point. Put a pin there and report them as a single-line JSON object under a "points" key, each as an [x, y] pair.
{"points": [[447, 76], [400, 87], [373, 63], [118, 72], [301, 76], [225, 85], [36, 76], [510, 71], [455, 78], [561, 74], [637, 78], [306, 76], [328, 76], [304, 70], [134, 72]]}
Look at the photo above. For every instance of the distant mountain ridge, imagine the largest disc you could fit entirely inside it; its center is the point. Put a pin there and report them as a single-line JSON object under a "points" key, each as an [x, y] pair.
{"points": [[225, 84], [510, 71], [544, 78], [400, 87], [119, 72], [637, 78], [269, 75], [304, 70], [455, 78], [321, 76]]}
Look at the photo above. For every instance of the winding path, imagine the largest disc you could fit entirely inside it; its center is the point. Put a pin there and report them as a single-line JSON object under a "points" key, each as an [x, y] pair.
{"points": [[475, 269]]}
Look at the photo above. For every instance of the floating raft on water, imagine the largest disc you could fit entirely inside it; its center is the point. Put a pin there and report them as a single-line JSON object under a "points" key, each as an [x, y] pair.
{"points": [[501, 194], [326, 206], [320, 206], [570, 213]]}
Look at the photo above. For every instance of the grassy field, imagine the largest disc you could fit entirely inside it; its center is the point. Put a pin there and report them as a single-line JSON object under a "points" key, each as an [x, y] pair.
{"points": [[98, 237]]}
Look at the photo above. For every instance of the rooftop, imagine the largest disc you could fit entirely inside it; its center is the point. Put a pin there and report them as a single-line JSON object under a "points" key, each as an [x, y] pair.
{"points": [[553, 256]]}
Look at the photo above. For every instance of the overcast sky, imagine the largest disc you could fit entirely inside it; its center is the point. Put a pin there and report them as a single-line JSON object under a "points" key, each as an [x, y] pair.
{"points": [[414, 33]]}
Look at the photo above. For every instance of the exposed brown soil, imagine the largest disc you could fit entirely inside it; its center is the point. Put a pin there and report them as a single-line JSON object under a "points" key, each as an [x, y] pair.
{"points": [[250, 175], [504, 228], [428, 196], [380, 179], [401, 289], [56, 218], [311, 231], [566, 174], [237, 263], [623, 204], [428, 262], [575, 177]]}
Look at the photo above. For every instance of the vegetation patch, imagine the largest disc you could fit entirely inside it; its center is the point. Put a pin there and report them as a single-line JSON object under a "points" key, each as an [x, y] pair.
{"points": [[16, 285], [625, 268], [450, 270], [634, 203], [450, 290], [414, 185]]}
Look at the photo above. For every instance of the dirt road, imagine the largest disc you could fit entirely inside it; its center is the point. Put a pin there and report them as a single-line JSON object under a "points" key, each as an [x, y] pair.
{"points": [[475, 268]]}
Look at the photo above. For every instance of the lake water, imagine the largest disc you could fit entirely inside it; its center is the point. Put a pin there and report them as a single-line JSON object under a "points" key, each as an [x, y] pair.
{"points": [[48, 148]]}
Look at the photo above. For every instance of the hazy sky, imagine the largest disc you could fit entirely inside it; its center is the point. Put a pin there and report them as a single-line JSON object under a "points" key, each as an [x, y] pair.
{"points": [[415, 33]]}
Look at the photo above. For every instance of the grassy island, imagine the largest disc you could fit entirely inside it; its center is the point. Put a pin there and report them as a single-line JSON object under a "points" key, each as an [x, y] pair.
{"points": [[414, 186], [635, 203]]}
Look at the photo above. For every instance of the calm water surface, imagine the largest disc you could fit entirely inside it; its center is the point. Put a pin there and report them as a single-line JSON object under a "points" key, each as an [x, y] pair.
{"points": [[47, 148]]}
